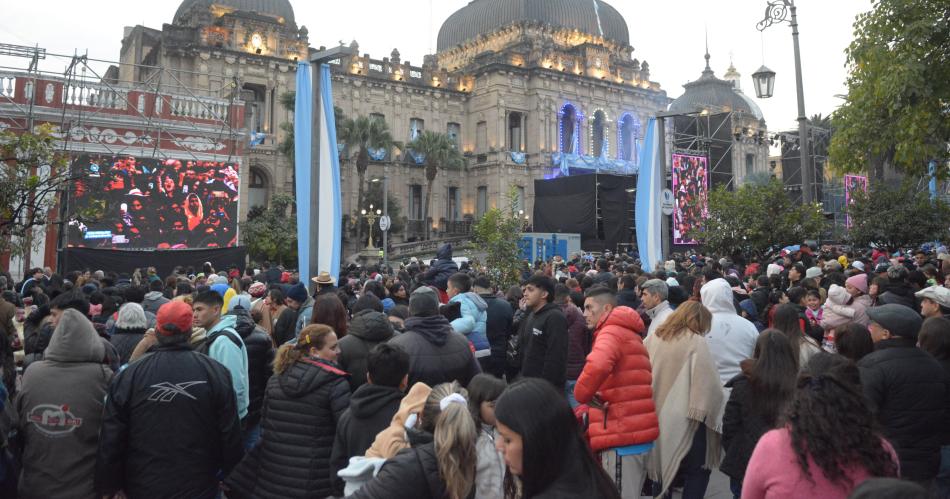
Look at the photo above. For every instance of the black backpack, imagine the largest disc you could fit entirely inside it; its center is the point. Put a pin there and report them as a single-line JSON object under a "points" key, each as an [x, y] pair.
{"points": [[204, 346]]}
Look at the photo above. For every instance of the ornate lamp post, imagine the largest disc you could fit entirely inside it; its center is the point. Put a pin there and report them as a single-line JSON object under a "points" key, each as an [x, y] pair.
{"points": [[777, 12], [371, 217]]}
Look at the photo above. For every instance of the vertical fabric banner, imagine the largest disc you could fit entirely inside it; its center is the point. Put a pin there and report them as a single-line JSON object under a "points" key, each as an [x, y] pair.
{"points": [[330, 213], [647, 208], [303, 118]]}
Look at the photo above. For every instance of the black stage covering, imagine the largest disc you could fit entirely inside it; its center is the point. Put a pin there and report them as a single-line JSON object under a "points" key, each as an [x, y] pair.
{"points": [[121, 261], [570, 204]]}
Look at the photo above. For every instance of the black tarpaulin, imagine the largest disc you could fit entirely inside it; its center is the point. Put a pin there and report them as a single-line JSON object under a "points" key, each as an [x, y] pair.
{"points": [[164, 261], [569, 205]]}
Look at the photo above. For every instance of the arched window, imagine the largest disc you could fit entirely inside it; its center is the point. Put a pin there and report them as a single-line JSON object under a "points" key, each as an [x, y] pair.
{"points": [[598, 134], [569, 121], [628, 138], [257, 189]]}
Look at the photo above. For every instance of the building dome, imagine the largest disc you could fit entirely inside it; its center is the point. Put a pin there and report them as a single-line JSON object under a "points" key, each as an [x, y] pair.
{"points": [[484, 16], [279, 8], [715, 95]]}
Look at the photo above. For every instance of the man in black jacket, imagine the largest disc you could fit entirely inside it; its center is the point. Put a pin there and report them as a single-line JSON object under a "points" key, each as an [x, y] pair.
{"points": [[908, 391], [437, 354], [170, 424], [627, 292], [372, 406], [260, 358], [544, 337], [497, 327]]}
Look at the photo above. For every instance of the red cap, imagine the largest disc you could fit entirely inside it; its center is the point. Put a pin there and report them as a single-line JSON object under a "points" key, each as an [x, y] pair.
{"points": [[174, 317], [285, 277], [234, 274]]}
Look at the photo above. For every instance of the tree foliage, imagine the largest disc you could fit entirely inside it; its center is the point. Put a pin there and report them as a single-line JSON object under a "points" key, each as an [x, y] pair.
{"points": [[272, 233], [440, 152], [362, 134], [33, 173], [896, 216], [896, 110], [497, 233], [755, 217], [374, 196]]}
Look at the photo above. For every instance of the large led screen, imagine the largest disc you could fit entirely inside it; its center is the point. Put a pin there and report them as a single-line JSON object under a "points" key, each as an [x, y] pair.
{"points": [[690, 190], [124, 202]]}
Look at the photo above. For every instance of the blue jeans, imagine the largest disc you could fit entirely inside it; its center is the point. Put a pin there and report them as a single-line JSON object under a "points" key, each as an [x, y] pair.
{"points": [[943, 476], [569, 392], [251, 436]]}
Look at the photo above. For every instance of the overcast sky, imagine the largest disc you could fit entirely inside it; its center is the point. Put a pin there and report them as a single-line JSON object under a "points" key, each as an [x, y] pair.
{"points": [[669, 34]]}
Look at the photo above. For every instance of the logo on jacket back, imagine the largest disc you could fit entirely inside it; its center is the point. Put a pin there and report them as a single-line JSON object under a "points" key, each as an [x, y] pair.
{"points": [[53, 420], [166, 392], [537, 332]]}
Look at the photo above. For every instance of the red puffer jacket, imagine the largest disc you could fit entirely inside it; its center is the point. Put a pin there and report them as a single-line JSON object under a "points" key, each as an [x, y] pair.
{"points": [[618, 372]]}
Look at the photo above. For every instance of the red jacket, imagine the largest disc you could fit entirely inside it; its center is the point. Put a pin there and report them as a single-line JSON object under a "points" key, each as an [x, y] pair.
{"points": [[618, 371]]}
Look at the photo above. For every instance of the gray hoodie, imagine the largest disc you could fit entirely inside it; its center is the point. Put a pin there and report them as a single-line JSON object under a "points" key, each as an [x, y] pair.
{"points": [[59, 410], [153, 301]]}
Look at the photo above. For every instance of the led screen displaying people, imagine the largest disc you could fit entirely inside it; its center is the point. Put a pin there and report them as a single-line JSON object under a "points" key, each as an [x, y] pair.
{"points": [[690, 191]]}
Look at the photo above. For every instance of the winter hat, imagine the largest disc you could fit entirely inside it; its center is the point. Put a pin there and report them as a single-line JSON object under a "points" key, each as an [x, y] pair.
{"points": [[220, 288], [298, 293], [773, 269], [257, 290], [900, 320], [813, 272], [859, 281], [858, 264], [131, 316], [242, 301], [89, 289], [424, 302], [174, 317], [843, 261]]}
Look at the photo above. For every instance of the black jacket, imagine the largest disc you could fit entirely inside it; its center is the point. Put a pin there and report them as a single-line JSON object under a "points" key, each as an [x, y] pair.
{"points": [[899, 293], [437, 354], [170, 424], [544, 343], [908, 392], [285, 327], [124, 341], [443, 268], [497, 328], [372, 408], [410, 474], [742, 426], [627, 298], [760, 296], [301, 411], [260, 356], [367, 329]]}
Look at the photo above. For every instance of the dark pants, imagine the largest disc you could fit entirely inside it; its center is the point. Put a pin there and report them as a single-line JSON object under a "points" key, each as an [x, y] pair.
{"points": [[694, 477]]}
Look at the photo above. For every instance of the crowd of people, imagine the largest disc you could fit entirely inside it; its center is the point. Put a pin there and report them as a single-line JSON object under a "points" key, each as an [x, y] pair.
{"points": [[813, 372]]}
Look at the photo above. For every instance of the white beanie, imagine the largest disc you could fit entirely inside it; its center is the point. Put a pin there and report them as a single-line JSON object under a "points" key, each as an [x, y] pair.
{"points": [[773, 269]]}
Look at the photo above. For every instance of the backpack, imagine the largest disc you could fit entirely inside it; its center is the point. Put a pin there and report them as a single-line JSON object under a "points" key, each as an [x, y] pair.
{"points": [[204, 346]]}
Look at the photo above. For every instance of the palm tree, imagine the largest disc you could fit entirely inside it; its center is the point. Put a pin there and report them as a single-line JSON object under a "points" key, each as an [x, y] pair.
{"points": [[363, 133], [440, 151]]}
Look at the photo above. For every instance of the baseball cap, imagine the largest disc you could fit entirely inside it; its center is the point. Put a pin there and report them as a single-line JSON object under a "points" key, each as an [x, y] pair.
{"points": [[174, 317]]}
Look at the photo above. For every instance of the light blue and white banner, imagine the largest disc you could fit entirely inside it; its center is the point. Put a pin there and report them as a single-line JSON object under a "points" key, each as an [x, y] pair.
{"points": [[328, 219], [648, 210]]}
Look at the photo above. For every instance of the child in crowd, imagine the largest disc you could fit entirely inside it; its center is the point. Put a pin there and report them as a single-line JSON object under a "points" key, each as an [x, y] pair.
{"points": [[483, 390]]}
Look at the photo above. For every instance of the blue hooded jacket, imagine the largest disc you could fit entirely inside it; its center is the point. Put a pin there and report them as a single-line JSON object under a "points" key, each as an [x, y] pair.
{"points": [[473, 322]]}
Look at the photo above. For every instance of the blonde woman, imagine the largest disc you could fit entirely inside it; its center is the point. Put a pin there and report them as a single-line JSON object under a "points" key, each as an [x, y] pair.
{"points": [[689, 400], [442, 468], [303, 402]]}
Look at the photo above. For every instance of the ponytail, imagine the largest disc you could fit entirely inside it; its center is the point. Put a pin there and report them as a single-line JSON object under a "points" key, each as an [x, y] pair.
{"points": [[314, 335], [455, 436], [286, 356]]}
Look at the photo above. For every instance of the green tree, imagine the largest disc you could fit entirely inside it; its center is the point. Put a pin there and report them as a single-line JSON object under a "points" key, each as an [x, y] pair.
{"points": [[497, 233], [897, 216], [272, 233], [440, 152], [33, 174], [362, 134], [896, 111], [755, 217]]}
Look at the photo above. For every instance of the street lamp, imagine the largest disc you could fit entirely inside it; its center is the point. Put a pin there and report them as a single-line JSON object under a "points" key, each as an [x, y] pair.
{"points": [[777, 12], [371, 217], [385, 180]]}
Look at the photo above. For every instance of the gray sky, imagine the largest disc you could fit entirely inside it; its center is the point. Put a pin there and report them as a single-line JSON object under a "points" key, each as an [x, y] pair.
{"points": [[669, 34]]}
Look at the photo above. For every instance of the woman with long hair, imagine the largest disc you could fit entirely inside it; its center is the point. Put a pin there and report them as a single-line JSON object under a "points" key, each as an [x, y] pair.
{"points": [[853, 341], [440, 462], [757, 401], [544, 449], [303, 402], [788, 319], [830, 437], [329, 310], [689, 400], [194, 212], [483, 392]]}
